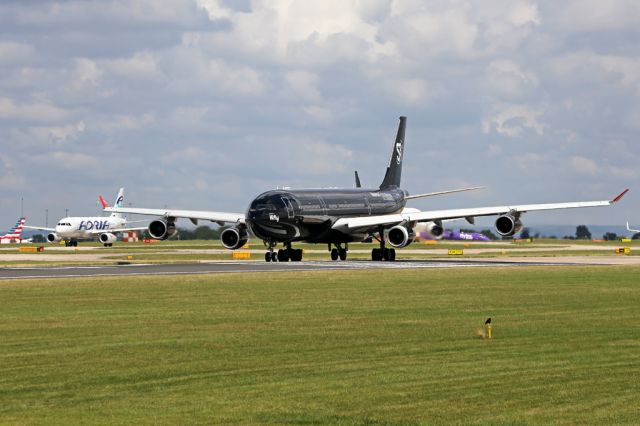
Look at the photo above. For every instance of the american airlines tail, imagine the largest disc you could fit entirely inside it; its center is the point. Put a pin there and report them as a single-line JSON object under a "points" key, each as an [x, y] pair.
{"points": [[118, 204], [14, 233], [394, 170]]}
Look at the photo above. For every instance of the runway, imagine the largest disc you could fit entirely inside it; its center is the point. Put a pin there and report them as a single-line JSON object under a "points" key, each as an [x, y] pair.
{"points": [[244, 267]]}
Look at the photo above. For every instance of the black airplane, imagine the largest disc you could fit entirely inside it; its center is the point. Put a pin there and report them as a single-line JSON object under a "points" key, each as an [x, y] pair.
{"points": [[337, 217]]}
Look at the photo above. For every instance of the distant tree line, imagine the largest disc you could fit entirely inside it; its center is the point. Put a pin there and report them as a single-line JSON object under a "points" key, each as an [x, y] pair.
{"points": [[200, 233]]}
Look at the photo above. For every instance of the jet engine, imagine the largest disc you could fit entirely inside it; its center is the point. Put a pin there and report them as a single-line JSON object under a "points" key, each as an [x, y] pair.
{"points": [[108, 238], [436, 231], [234, 238], [53, 238], [507, 225], [161, 229], [399, 236]]}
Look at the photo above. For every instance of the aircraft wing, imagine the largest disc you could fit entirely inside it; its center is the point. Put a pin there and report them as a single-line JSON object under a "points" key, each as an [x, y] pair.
{"points": [[117, 231], [628, 228], [39, 228], [359, 223], [193, 215]]}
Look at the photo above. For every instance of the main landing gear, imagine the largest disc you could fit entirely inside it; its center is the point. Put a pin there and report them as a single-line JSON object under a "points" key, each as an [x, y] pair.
{"points": [[71, 243], [282, 255], [338, 252], [383, 253]]}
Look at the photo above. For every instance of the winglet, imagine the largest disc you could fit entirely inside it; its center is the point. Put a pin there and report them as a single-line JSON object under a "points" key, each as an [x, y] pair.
{"points": [[104, 203], [615, 200]]}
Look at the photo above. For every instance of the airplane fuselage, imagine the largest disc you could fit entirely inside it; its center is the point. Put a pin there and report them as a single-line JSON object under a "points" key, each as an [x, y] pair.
{"points": [[308, 215], [81, 228]]}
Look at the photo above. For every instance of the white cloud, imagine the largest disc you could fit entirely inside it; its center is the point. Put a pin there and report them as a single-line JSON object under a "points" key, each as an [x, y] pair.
{"points": [[593, 15], [142, 65], [120, 122], [10, 178], [30, 112], [507, 78], [513, 120], [15, 53], [86, 73], [319, 157], [584, 166], [58, 134], [591, 68], [304, 84]]}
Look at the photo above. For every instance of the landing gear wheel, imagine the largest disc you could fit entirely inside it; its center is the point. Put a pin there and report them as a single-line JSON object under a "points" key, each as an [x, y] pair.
{"points": [[389, 254], [283, 255], [342, 253], [274, 256], [296, 255], [334, 254], [267, 257], [376, 254]]}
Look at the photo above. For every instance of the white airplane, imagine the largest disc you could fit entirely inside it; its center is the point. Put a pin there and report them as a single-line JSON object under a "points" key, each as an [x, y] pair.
{"points": [[72, 229], [337, 217], [13, 236], [632, 230]]}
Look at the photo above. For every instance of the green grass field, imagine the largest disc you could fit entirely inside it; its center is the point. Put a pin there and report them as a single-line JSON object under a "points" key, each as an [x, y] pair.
{"points": [[352, 347]]}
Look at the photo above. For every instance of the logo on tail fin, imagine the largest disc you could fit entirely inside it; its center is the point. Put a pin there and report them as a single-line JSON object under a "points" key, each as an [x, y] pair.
{"points": [[119, 201], [399, 152]]}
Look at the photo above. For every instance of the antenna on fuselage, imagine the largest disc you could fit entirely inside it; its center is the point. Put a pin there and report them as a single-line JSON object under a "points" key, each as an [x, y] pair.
{"points": [[358, 184]]}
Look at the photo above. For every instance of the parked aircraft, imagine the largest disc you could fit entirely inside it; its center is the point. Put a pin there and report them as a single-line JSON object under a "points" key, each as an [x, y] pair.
{"points": [[13, 236], [631, 230], [451, 235], [72, 229], [337, 217]]}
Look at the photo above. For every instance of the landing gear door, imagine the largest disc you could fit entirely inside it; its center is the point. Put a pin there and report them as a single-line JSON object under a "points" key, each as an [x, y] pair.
{"points": [[289, 207]]}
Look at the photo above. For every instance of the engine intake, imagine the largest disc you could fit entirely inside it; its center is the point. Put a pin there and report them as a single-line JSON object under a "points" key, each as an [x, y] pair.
{"points": [[161, 229], [53, 238], [234, 238], [507, 225], [399, 236], [108, 238]]}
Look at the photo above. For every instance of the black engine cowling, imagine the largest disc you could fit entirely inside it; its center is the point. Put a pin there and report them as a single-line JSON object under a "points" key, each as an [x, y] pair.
{"points": [[161, 229], [53, 238], [234, 238], [399, 236], [508, 225]]}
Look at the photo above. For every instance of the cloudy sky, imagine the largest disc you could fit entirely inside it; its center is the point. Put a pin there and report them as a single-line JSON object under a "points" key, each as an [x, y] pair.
{"points": [[202, 104]]}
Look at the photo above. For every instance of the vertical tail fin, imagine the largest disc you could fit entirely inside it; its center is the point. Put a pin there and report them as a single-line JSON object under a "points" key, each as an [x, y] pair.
{"points": [[394, 170], [358, 184], [118, 203], [16, 230]]}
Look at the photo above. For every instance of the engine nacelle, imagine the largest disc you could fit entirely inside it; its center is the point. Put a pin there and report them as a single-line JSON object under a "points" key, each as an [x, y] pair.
{"points": [[161, 229], [508, 225], [108, 238], [399, 236], [435, 231], [234, 238], [53, 238]]}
